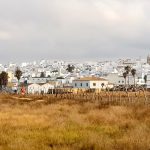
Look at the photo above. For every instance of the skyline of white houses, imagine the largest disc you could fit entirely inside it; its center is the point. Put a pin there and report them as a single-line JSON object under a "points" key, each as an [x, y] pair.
{"points": [[57, 72]]}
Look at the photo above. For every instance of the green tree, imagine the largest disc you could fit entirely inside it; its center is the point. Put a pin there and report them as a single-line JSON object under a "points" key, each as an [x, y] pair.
{"points": [[102, 85], [145, 79], [133, 72], [128, 70], [125, 77], [18, 74], [3, 79], [70, 68]]}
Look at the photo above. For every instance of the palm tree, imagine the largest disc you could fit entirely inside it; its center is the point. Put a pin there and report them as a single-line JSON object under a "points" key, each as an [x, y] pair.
{"points": [[18, 74], [145, 79], [128, 70], [133, 72], [102, 85], [125, 77], [3, 79], [70, 68]]}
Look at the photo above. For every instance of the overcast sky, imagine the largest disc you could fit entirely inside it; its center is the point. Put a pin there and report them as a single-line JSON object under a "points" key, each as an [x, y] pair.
{"points": [[73, 29]]}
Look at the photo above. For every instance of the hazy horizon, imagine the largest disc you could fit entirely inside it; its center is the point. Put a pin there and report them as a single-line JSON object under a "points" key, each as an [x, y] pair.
{"points": [[73, 29]]}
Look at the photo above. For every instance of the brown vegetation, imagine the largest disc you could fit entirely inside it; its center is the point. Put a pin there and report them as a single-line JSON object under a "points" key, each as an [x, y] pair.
{"points": [[38, 122]]}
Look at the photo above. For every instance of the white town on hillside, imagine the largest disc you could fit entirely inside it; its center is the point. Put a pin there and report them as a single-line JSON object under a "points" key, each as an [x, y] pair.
{"points": [[46, 74]]}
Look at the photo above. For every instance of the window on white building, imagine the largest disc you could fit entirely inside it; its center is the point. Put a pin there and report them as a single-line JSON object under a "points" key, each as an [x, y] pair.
{"points": [[94, 84], [75, 84], [87, 84], [81, 84]]}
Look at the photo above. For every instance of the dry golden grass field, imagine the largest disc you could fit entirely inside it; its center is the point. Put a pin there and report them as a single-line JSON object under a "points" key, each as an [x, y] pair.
{"points": [[37, 124]]}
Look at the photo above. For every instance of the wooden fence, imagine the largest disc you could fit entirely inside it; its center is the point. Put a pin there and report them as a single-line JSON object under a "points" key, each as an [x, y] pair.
{"points": [[102, 97]]}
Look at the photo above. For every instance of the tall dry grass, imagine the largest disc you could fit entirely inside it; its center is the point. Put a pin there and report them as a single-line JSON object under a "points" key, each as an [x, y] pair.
{"points": [[34, 123]]}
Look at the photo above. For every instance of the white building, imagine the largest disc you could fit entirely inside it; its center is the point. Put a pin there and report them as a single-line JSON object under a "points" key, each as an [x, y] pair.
{"points": [[115, 79], [47, 73], [119, 80], [36, 88], [10, 76], [148, 81], [24, 64], [140, 82], [46, 87], [90, 83]]}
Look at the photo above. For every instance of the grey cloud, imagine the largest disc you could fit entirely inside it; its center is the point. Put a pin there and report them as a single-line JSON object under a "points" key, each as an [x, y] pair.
{"points": [[73, 29]]}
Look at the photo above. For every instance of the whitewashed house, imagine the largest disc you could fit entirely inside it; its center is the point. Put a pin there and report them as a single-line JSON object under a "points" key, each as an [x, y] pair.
{"points": [[115, 79], [10, 76], [47, 73], [90, 83], [140, 82], [34, 88], [46, 87], [148, 81], [119, 79]]}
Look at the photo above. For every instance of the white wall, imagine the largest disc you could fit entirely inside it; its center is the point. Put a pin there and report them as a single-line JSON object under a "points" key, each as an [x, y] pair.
{"points": [[115, 79], [148, 81], [34, 88], [90, 84], [98, 84], [84, 84], [46, 87], [119, 80]]}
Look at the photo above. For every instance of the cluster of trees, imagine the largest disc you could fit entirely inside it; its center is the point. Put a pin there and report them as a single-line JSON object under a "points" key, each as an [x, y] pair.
{"points": [[4, 77], [128, 71]]}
